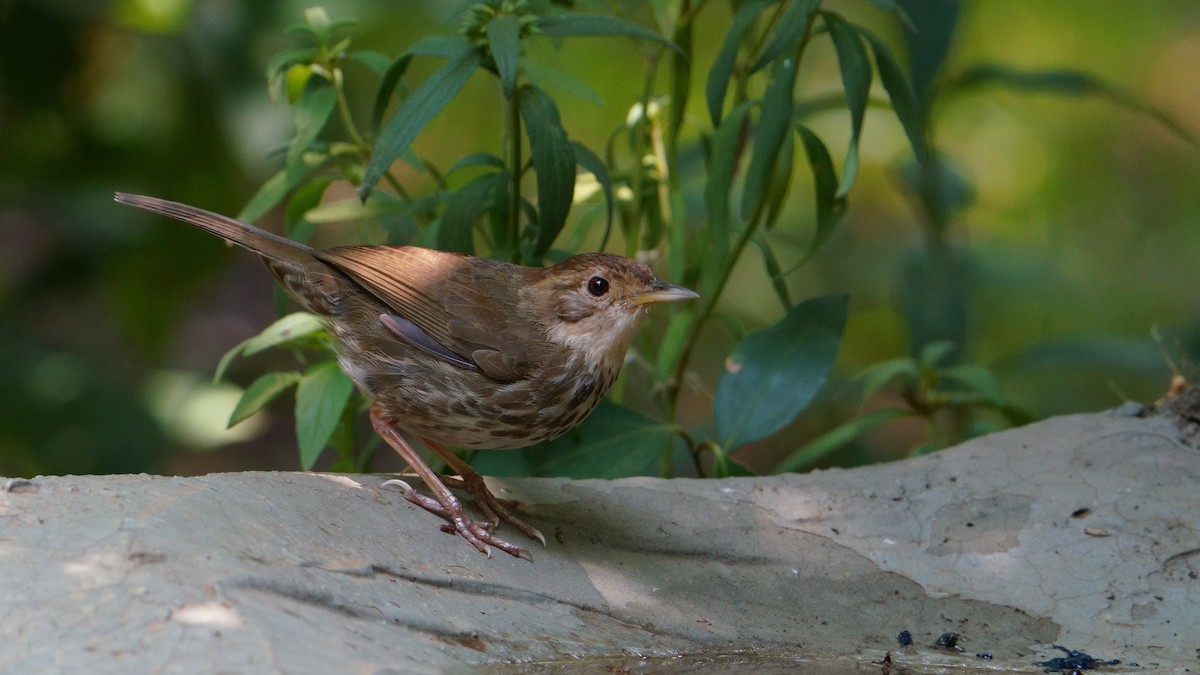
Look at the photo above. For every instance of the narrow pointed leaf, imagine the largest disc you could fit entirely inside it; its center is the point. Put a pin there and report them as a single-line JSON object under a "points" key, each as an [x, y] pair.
{"points": [[421, 106], [476, 159], [293, 327], [977, 379], [899, 91], [591, 162], [546, 77], [553, 159], [376, 61], [781, 182], [261, 392], [288, 329], [1066, 82], [774, 373], [681, 86], [773, 125], [830, 208], [445, 46], [613, 442], [835, 438], [503, 34], [670, 348], [722, 67], [595, 25], [856, 81], [774, 271], [902, 370], [463, 209], [277, 187], [321, 395], [723, 162], [787, 33], [306, 198]]}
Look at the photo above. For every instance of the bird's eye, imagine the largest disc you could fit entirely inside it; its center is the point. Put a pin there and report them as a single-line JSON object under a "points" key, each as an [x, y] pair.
{"points": [[597, 286]]}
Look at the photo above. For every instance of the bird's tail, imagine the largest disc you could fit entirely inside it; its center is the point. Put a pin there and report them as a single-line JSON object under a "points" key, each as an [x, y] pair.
{"points": [[266, 244]]}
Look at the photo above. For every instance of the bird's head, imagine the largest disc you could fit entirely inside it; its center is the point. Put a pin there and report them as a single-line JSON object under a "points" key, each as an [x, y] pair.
{"points": [[593, 303]]}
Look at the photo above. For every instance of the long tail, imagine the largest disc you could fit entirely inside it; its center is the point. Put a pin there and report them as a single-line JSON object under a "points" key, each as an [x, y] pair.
{"points": [[264, 243]]}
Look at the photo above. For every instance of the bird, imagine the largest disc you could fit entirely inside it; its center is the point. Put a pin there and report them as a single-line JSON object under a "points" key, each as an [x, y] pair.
{"points": [[458, 350]]}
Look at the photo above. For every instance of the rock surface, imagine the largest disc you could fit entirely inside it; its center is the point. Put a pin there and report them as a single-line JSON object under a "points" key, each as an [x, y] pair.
{"points": [[1081, 530]]}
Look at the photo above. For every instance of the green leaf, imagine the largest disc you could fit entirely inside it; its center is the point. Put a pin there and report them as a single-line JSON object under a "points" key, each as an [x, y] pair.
{"points": [[322, 394], [830, 208], [723, 162], [277, 188], [352, 209], [929, 35], [835, 438], [776, 372], [445, 46], [376, 61], [681, 86], [880, 375], [901, 95], [476, 159], [278, 65], [545, 77], [284, 331], [313, 109], [774, 271], [306, 198], [670, 348], [504, 35], [780, 183], [290, 328], [787, 33], [591, 162], [978, 380], [595, 25], [261, 392], [1066, 82], [553, 159], [421, 106], [936, 354], [773, 124], [457, 229], [856, 81], [613, 442], [722, 67]]}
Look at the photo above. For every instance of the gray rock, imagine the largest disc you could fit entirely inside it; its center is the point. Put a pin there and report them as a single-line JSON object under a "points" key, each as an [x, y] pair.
{"points": [[1080, 530]]}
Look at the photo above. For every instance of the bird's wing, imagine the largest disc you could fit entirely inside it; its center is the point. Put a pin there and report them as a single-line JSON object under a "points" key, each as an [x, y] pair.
{"points": [[458, 308]]}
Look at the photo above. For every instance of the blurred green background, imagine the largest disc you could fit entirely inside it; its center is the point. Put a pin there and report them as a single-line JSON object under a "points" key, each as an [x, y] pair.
{"points": [[1082, 233]]}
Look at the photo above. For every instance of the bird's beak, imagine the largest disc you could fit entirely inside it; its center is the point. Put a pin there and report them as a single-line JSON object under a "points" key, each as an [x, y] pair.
{"points": [[661, 291]]}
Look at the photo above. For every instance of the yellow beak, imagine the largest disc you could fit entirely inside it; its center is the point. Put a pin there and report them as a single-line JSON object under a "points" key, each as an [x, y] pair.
{"points": [[661, 291]]}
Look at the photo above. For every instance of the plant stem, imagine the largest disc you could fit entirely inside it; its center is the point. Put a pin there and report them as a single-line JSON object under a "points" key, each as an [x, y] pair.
{"points": [[674, 385], [514, 171], [633, 231], [348, 122]]}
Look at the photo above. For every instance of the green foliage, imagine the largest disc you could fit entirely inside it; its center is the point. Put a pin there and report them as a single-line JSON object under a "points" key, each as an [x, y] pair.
{"points": [[747, 156]]}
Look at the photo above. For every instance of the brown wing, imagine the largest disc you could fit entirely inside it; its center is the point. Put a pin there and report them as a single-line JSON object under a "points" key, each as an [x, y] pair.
{"points": [[468, 305]]}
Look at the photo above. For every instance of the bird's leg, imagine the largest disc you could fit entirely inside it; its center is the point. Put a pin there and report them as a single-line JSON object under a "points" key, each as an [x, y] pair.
{"points": [[494, 508], [443, 502]]}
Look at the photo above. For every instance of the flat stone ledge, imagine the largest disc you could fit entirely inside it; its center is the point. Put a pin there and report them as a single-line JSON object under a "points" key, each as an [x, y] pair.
{"points": [[1081, 530]]}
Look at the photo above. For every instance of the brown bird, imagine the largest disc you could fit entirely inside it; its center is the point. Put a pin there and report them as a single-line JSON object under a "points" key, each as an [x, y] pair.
{"points": [[458, 350]]}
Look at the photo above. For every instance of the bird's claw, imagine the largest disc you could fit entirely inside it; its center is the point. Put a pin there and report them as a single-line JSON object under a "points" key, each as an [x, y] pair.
{"points": [[478, 534]]}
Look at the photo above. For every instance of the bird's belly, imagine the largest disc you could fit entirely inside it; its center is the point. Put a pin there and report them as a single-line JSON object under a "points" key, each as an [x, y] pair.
{"points": [[441, 402]]}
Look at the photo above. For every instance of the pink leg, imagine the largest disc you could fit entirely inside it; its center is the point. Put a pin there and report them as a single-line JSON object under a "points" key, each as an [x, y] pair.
{"points": [[443, 502], [494, 508]]}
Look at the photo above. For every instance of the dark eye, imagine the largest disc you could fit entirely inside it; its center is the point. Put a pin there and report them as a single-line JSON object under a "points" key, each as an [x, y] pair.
{"points": [[597, 286]]}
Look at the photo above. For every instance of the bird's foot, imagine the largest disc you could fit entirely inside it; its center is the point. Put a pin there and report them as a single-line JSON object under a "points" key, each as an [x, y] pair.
{"points": [[479, 533], [494, 508]]}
